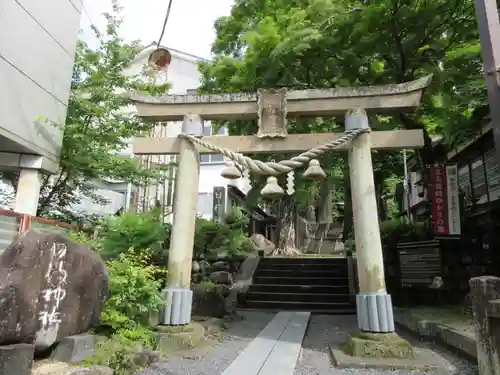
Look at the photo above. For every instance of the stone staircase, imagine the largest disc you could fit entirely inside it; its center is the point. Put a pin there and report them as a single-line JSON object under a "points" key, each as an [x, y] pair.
{"points": [[312, 284], [325, 239]]}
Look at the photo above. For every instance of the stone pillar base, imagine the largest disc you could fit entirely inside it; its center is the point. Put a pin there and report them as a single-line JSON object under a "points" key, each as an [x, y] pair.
{"points": [[178, 306], [375, 312]]}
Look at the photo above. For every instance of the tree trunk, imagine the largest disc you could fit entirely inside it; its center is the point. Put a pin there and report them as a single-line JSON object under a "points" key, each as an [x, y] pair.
{"points": [[325, 202], [348, 219], [379, 193], [324, 218], [287, 244]]}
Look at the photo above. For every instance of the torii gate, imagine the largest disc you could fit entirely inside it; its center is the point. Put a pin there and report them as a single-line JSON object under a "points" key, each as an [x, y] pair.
{"points": [[271, 107]]}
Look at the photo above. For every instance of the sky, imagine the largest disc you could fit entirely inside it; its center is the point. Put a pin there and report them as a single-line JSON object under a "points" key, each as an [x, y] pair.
{"points": [[189, 27]]}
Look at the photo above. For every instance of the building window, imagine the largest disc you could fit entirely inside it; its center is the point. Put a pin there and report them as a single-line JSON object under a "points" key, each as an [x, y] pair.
{"points": [[492, 174], [212, 158], [464, 180], [205, 204], [478, 178]]}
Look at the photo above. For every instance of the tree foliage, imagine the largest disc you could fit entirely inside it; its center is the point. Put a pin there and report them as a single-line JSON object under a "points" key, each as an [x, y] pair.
{"points": [[99, 121], [303, 44]]}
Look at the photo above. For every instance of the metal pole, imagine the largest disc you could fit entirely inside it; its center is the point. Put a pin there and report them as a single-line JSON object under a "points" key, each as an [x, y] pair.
{"points": [[128, 196], [489, 33]]}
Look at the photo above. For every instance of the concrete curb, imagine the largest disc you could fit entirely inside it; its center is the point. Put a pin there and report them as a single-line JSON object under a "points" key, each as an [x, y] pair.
{"points": [[459, 342]]}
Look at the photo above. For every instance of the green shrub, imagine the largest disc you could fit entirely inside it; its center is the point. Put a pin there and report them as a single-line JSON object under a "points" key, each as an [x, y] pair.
{"points": [[228, 238], [82, 238], [138, 231], [394, 231], [236, 219], [134, 292], [119, 350]]}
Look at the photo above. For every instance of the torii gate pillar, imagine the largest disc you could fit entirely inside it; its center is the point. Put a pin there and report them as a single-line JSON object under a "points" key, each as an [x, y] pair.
{"points": [[179, 296], [374, 305]]}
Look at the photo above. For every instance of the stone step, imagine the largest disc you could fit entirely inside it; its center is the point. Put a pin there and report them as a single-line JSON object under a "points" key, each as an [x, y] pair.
{"points": [[304, 267], [298, 297], [308, 272], [332, 307], [313, 261], [301, 284], [311, 289], [300, 280]]}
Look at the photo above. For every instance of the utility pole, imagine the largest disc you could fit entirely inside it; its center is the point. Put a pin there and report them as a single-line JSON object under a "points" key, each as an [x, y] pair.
{"points": [[489, 34]]}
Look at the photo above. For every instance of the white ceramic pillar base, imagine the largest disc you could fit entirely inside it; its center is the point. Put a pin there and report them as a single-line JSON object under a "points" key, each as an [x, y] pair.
{"points": [[375, 312], [178, 307]]}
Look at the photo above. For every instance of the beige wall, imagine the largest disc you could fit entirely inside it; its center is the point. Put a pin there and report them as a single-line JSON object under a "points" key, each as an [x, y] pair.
{"points": [[37, 48]]}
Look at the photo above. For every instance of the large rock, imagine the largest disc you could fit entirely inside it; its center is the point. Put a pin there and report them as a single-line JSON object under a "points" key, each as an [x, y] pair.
{"points": [[16, 359], [209, 300], [50, 288], [61, 368], [262, 243], [222, 277]]}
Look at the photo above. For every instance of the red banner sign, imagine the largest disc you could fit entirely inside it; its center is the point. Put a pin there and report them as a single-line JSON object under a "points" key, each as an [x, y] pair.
{"points": [[443, 183]]}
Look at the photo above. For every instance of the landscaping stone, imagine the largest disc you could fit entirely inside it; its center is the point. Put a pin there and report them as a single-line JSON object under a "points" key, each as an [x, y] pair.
{"points": [[62, 368], [261, 243], [383, 345], [427, 330], [457, 340], [197, 278], [424, 361], [175, 338], [195, 267], [220, 266], [213, 326], [204, 265], [50, 288], [222, 255], [147, 357], [74, 349], [222, 277], [94, 370], [243, 280], [16, 359], [209, 300], [484, 290], [153, 318], [50, 367]]}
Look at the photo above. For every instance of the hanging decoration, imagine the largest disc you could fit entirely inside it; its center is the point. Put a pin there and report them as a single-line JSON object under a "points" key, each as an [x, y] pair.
{"points": [[290, 183], [160, 59]]}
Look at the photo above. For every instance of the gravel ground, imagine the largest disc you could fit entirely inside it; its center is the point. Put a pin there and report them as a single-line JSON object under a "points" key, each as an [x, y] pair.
{"points": [[218, 359], [314, 358], [329, 329]]}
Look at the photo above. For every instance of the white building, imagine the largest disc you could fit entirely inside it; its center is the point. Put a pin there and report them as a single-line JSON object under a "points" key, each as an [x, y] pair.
{"points": [[37, 50], [184, 77]]}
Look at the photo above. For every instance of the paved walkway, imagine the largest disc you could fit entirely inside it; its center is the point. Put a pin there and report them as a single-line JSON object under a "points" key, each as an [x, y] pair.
{"points": [[276, 349]]}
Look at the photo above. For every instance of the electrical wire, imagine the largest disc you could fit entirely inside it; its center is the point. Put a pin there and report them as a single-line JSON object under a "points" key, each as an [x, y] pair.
{"points": [[164, 23]]}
